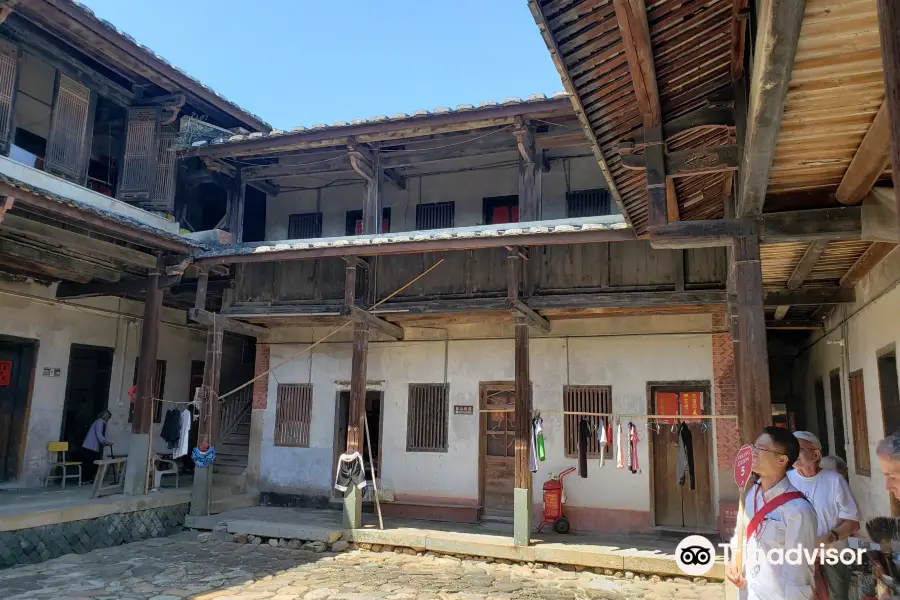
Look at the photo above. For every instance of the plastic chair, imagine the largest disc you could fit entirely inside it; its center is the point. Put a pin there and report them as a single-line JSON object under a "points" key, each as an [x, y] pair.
{"points": [[163, 466], [58, 460]]}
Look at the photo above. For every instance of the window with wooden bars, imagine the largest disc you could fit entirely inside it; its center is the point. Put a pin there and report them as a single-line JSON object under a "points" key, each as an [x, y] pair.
{"points": [[426, 417], [159, 388], [67, 146], [585, 399], [860, 424], [162, 196], [293, 414], [304, 226], [9, 63], [437, 215], [138, 175], [588, 203]]}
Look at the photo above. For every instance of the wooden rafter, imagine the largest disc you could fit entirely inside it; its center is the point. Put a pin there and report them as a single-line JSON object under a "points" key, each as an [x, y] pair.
{"points": [[778, 31], [5, 205], [739, 17], [871, 257], [869, 162], [358, 315], [228, 324], [806, 264]]}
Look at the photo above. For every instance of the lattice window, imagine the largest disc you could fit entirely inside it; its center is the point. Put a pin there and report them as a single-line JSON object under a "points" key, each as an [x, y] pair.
{"points": [[68, 129], [9, 61], [304, 226], [860, 424], [438, 215], [163, 194], [588, 203], [293, 414], [585, 399], [159, 389], [141, 153], [426, 418]]}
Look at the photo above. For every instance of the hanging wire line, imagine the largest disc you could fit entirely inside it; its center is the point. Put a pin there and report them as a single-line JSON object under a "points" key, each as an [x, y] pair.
{"points": [[594, 414], [316, 343]]}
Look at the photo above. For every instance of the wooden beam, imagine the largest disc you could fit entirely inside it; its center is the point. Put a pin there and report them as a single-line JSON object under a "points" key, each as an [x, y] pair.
{"points": [[58, 260], [525, 313], [530, 174], [806, 264], [212, 319], [792, 325], [713, 115], [814, 224], [132, 287], [871, 257], [869, 162], [672, 210], [809, 295], [5, 206], [357, 262], [631, 17], [359, 315], [889, 32], [202, 287], [778, 30], [686, 163], [700, 234], [57, 236], [238, 201], [781, 311], [739, 16], [755, 406]]}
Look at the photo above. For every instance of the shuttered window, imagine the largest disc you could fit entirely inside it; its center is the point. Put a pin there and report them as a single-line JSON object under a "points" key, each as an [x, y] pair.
{"points": [[438, 215], [860, 424], [426, 418], [68, 142], [163, 196], [584, 399], [159, 389], [138, 178], [9, 62], [304, 226], [588, 203], [293, 415]]}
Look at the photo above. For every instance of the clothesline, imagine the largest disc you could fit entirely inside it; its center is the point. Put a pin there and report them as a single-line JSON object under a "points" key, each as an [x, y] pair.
{"points": [[594, 414]]}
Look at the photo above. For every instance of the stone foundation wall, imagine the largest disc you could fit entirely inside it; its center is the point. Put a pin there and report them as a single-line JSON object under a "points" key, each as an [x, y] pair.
{"points": [[37, 544]]}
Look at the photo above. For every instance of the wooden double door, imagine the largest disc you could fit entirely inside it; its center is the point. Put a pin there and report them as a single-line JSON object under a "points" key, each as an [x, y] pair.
{"points": [[679, 506], [16, 372]]}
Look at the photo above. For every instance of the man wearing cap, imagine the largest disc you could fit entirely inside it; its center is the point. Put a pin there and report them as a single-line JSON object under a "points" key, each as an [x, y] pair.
{"points": [[836, 511]]}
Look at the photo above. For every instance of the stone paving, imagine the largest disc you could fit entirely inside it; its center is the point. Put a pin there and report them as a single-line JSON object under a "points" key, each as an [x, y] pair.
{"points": [[182, 566]]}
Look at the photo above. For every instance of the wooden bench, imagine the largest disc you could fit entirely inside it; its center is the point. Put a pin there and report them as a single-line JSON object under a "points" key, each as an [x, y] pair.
{"points": [[118, 471]]}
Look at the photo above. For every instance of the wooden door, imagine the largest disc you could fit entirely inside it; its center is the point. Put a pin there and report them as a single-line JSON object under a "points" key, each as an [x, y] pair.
{"points": [[87, 391], [16, 365], [676, 505], [498, 449]]}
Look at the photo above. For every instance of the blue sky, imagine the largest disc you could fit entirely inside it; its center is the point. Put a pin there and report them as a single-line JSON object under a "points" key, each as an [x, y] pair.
{"points": [[300, 62]]}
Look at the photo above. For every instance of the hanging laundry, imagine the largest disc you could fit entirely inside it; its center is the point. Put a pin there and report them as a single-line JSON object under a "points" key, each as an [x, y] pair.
{"points": [[350, 471], [182, 448], [171, 429], [620, 460], [685, 455], [628, 449], [609, 436], [633, 440], [537, 444], [584, 434], [602, 440]]}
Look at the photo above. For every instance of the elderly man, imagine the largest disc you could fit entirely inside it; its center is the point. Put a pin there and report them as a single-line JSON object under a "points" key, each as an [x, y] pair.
{"points": [[836, 511], [777, 517]]}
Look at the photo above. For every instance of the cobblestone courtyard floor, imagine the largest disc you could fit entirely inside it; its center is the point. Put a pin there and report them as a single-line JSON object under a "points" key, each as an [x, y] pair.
{"points": [[180, 566]]}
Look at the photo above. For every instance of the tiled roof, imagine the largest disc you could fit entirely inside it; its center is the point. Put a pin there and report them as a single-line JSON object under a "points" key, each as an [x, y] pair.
{"points": [[399, 117], [508, 230], [150, 51]]}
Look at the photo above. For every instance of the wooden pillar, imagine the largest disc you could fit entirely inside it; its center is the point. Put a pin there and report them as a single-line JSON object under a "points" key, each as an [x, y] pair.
{"points": [[209, 418], [202, 286], [889, 28], [137, 469], [531, 160], [236, 214], [655, 161], [755, 408]]}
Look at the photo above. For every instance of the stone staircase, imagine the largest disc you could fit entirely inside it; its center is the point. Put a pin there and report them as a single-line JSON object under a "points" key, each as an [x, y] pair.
{"points": [[232, 450]]}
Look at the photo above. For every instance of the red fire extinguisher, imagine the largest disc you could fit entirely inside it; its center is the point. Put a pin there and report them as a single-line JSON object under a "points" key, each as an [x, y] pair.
{"points": [[554, 501]]}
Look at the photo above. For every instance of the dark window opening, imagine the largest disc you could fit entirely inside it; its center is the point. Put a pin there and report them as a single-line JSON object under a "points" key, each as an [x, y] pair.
{"points": [[585, 399], [821, 427], [106, 147], [588, 203], [32, 111], [254, 215], [304, 226], [501, 209], [437, 215], [355, 222]]}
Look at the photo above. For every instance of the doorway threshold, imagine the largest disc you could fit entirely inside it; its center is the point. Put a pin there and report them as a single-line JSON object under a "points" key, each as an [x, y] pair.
{"points": [[673, 531]]}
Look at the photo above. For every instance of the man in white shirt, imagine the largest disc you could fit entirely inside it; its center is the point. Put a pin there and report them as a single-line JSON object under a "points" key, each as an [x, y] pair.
{"points": [[836, 511], [777, 518]]}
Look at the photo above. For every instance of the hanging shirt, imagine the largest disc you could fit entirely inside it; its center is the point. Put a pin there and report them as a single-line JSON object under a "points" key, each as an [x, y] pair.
{"points": [[629, 456], [584, 434], [633, 440], [182, 448], [620, 460], [830, 497], [539, 439], [790, 525], [536, 430], [602, 440]]}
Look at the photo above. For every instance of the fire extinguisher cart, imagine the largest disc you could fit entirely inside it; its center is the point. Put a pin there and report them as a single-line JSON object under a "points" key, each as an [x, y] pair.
{"points": [[554, 502]]}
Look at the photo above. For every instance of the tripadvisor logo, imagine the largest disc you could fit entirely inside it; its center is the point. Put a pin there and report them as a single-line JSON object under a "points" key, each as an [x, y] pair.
{"points": [[695, 555]]}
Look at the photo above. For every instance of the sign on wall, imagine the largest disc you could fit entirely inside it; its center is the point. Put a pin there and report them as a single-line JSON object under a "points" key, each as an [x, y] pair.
{"points": [[5, 372], [460, 409]]}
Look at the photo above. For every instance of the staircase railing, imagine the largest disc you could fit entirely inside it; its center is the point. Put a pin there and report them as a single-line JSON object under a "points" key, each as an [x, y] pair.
{"points": [[232, 411]]}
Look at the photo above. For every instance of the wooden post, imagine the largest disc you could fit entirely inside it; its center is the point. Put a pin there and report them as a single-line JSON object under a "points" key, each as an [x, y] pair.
{"points": [[202, 285], [530, 161], [889, 28], [654, 157], [137, 469], [5, 204], [755, 408], [236, 215], [209, 417]]}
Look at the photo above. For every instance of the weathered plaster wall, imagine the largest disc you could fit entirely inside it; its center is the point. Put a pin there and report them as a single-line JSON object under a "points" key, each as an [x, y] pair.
{"points": [[467, 189], [852, 339], [625, 353], [56, 328]]}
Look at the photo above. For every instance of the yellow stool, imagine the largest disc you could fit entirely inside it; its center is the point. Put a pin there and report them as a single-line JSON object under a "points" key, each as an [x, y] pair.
{"points": [[58, 460]]}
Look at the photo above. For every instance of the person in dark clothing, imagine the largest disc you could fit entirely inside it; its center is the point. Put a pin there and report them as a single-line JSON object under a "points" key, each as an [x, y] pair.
{"points": [[92, 446]]}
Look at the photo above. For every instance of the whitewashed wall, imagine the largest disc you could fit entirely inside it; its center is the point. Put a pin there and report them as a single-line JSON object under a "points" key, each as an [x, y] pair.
{"points": [[56, 328], [600, 352], [870, 325], [467, 189]]}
